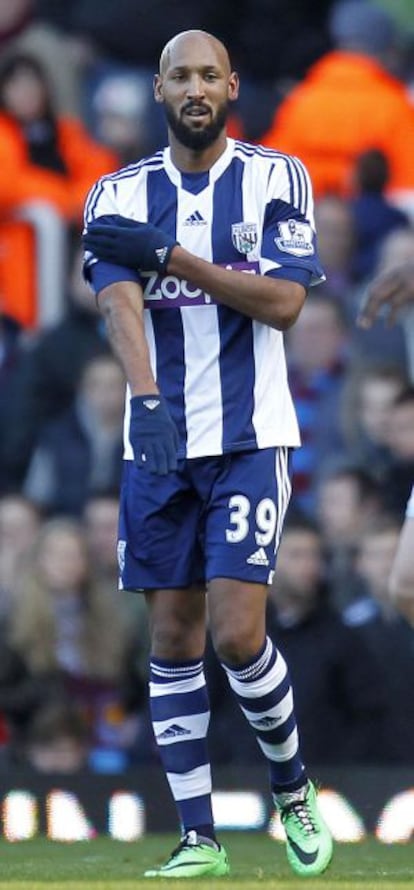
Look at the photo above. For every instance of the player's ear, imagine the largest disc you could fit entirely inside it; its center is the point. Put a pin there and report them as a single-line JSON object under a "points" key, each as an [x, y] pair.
{"points": [[233, 88], [158, 88]]}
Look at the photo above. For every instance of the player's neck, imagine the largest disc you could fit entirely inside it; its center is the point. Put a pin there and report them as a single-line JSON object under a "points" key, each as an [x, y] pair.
{"points": [[189, 161]]}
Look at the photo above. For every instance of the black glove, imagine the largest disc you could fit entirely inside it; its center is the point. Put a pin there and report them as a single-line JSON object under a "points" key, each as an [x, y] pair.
{"points": [[127, 242], [153, 434]]}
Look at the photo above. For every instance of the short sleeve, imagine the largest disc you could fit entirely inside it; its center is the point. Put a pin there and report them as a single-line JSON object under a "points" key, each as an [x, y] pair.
{"points": [[101, 201], [289, 238]]}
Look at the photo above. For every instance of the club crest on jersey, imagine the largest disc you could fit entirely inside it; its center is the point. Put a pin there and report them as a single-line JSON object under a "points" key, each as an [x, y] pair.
{"points": [[295, 237], [244, 236]]}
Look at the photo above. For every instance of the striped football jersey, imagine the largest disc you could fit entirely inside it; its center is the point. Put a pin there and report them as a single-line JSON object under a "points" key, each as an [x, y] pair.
{"points": [[223, 374]]}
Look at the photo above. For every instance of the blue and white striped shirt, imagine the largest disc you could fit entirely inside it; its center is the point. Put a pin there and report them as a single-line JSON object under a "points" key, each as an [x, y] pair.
{"points": [[223, 374]]}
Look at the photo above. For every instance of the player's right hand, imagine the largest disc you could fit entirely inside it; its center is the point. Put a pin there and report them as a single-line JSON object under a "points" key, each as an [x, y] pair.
{"points": [[153, 434], [128, 242]]}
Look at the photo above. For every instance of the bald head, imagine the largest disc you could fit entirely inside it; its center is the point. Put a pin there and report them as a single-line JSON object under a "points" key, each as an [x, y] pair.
{"points": [[186, 40]]}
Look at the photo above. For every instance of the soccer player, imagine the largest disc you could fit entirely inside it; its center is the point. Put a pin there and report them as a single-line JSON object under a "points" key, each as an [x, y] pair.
{"points": [[201, 256]]}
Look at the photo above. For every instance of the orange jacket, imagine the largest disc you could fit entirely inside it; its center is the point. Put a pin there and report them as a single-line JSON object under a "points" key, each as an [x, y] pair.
{"points": [[346, 104], [22, 181]]}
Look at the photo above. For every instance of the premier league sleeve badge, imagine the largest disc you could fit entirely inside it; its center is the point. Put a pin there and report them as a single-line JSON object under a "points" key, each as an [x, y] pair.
{"points": [[295, 237]]}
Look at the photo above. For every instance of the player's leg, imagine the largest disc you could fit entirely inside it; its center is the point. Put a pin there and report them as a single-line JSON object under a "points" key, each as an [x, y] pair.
{"points": [[259, 678], [258, 675], [159, 552], [241, 540], [180, 715], [179, 703]]}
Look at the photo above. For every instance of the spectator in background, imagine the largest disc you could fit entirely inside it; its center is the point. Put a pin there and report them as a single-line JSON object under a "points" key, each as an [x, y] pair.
{"points": [[400, 439], [100, 520], [43, 156], [368, 395], [20, 523], [317, 353], [11, 352], [374, 554], [350, 102], [47, 163], [393, 292], [80, 452], [273, 43], [340, 684], [22, 694], [374, 216], [57, 740], [392, 343], [14, 18], [24, 29], [121, 105], [48, 374], [348, 497], [336, 241], [386, 633], [68, 631]]}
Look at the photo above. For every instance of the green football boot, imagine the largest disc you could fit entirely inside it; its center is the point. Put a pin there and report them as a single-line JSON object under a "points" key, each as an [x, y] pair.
{"points": [[309, 842], [194, 857]]}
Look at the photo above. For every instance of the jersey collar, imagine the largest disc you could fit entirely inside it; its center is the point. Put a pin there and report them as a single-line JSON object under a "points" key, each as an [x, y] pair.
{"points": [[214, 173]]}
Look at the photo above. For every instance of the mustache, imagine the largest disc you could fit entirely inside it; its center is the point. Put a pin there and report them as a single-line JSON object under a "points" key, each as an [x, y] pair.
{"points": [[191, 105]]}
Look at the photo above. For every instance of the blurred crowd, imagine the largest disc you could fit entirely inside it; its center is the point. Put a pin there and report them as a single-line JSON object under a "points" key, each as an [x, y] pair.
{"points": [[332, 82]]}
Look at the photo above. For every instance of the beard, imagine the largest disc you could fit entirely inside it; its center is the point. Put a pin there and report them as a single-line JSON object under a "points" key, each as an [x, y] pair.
{"points": [[194, 139]]}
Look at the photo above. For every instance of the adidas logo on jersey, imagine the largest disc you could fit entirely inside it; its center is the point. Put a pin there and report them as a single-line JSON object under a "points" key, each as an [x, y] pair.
{"points": [[258, 558], [173, 731], [195, 219]]}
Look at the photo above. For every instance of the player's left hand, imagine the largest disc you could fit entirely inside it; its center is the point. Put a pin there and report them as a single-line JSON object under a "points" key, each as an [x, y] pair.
{"points": [[127, 242]]}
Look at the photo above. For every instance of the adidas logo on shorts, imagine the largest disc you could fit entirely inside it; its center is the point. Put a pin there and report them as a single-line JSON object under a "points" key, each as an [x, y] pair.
{"points": [[258, 558]]}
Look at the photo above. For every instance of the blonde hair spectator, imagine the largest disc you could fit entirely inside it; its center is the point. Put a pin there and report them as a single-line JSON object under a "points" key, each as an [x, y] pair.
{"points": [[61, 617]]}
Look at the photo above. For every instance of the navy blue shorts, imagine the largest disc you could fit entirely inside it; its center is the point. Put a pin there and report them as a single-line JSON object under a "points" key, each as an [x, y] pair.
{"points": [[215, 517]]}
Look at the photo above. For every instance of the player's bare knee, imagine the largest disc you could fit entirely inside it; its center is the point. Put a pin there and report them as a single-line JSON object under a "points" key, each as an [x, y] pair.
{"points": [[235, 645], [174, 641]]}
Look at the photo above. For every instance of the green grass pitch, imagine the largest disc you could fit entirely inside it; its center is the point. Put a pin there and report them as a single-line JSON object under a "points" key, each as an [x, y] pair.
{"points": [[257, 863]]}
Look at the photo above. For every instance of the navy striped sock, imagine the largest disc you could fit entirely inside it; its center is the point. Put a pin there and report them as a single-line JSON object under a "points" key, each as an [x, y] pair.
{"points": [[262, 688], [180, 716]]}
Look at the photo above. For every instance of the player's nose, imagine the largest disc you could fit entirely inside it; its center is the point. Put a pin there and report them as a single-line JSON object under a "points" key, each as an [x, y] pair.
{"points": [[195, 87]]}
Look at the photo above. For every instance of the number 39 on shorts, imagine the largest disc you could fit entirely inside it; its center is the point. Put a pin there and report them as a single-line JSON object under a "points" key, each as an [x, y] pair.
{"points": [[241, 517]]}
